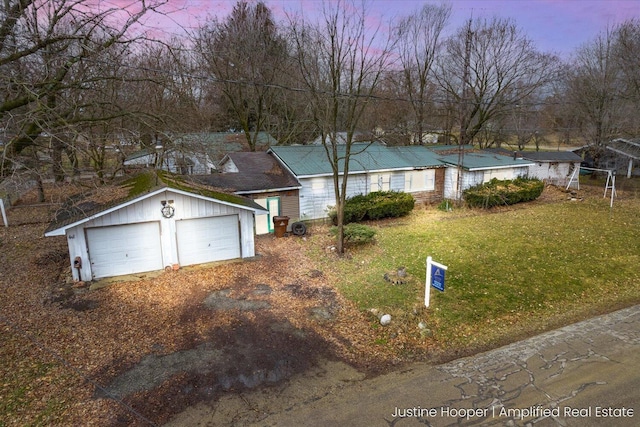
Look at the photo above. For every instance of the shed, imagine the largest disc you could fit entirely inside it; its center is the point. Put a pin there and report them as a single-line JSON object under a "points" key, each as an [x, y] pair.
{"points": [[552, 167], [153, 221]]}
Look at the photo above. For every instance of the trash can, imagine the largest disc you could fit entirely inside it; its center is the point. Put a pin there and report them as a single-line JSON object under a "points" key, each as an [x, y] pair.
{"points": [[280, 224]]}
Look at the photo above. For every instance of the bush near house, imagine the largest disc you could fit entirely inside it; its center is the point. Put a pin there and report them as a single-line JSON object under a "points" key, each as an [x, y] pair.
{"points": [[506, 192], [357, 234], [375, 205]]}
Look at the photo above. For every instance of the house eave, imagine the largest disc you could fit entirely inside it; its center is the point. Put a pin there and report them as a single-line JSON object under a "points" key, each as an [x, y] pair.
{"points": [[484, 168], [268, 190]]}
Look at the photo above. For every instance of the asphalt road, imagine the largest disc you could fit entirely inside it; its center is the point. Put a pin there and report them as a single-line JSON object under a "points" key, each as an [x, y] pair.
{"points": [[586, 374]]}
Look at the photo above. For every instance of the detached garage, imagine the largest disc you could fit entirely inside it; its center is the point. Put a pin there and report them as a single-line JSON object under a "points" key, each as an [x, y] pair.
{"points": [[153, 221]]}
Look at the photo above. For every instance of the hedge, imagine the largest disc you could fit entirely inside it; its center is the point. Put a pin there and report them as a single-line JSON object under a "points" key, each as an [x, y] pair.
{"points": [[507, 192], [375, 205]]}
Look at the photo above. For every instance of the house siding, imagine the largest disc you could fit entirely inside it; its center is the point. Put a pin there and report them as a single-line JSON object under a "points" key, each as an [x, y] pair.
{"points": [[473, 178], [289, 206], [316, 194], [556, 173]]}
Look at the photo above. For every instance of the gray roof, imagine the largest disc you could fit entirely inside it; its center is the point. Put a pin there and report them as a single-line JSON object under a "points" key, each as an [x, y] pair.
{"points": [[257, 172], [539, 156], [473, 160], [550, 156]]}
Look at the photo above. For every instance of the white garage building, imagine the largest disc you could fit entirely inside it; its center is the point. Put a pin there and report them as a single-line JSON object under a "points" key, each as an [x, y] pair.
{"points": [[156, 228]]}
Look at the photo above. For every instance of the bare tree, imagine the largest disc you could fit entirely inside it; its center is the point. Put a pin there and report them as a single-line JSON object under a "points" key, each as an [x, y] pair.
{"points": [[627, 52], [45, 49], [593, 90], [488, 68], [341, 61], [244, 56], [418, 41]]}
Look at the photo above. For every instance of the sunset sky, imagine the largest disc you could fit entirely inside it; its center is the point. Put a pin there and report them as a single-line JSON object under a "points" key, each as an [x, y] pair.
{"points": [[556, 26]]}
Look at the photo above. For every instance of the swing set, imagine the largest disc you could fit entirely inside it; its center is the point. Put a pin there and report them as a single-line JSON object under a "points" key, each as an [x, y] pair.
{"points": [[611, 180]]}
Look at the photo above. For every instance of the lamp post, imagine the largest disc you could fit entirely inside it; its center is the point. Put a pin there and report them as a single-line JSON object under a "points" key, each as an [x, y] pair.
{"points": [[159, 155]]}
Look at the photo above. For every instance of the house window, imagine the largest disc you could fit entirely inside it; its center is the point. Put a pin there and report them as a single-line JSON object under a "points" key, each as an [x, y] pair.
{"points": [[379, 181], [422, 180], [318, 184]]}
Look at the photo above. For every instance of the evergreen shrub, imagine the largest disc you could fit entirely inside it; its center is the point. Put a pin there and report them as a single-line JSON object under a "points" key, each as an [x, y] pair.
{"points": [[505, 192]]}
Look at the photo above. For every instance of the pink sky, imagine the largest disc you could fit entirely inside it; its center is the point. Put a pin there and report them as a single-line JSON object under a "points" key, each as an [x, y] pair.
{"points": [[557, 26]]}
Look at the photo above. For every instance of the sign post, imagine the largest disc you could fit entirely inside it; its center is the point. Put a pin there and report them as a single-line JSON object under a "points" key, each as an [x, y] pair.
{"points": [[435, 278]]}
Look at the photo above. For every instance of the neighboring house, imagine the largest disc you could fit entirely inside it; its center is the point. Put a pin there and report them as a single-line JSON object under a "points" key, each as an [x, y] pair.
{"points": [[153, 221], [341, 138], [195, 154], [373, 167], [478, 167], [218, 144], [627, 151], [258, 176], [174, 160]]}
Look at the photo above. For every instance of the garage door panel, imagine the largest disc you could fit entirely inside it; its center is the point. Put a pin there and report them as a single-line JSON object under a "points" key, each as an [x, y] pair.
{"points": [[208, 239], [124, 249]]}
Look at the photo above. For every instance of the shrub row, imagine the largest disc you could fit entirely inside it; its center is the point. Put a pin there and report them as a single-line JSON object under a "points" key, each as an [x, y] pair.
{"points": [[507, 192], [376, 205]]}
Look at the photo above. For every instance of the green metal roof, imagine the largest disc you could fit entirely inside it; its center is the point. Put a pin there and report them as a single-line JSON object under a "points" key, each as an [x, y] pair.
{"points": [[310, 160], [484, 160], [418, 155]]}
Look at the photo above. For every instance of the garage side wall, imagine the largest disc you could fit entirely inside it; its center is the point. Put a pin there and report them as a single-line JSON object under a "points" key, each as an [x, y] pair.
{"points": [[78, 248]]}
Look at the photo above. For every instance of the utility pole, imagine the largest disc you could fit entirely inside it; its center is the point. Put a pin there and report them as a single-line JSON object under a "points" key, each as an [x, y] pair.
{"points": [[464, 107]]}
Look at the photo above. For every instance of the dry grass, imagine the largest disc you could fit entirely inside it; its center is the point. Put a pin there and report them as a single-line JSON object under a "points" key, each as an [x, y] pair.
{"points": [[60, 343]]}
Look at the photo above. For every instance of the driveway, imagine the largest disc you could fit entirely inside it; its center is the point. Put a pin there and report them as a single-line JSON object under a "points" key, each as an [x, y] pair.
{"points": [[586, 374]]}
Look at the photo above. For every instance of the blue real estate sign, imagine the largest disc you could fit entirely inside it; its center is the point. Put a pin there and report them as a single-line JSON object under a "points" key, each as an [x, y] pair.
{"points": [[437, 277]]}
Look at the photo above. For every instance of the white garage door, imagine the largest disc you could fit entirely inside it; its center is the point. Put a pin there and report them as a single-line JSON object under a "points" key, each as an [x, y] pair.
{"points": [[208, 239], [124, 249]]}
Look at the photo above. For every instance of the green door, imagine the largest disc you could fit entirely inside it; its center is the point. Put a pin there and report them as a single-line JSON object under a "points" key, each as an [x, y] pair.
{"points": [[273, 206]]}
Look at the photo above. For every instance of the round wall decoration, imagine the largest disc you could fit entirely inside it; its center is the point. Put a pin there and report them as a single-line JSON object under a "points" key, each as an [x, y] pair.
{"points": [[168, 211]]}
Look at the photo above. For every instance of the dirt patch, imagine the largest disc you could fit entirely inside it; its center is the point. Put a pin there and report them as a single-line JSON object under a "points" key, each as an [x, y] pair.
{"points": [[244, 356], [220, 300]]}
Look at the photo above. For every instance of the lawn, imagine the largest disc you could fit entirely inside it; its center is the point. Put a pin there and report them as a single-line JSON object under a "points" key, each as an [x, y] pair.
{"points": [[511, 272]]}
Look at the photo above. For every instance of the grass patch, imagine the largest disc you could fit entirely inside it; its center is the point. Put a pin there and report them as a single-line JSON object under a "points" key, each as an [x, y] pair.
{"points": [[511, 274]]}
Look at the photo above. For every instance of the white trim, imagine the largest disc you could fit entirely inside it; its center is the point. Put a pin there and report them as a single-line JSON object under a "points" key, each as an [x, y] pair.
{"points": [[501, 167], [62, 230]]}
